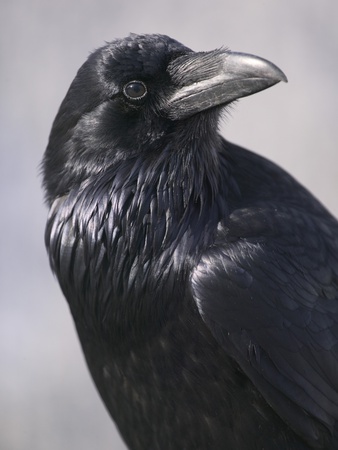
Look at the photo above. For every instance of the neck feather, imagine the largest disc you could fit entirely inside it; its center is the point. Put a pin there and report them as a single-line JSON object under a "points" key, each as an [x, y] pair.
{"points": [[141, 221]]}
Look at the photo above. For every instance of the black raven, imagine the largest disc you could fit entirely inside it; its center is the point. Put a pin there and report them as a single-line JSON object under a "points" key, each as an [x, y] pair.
{"points": [[202, 278]]}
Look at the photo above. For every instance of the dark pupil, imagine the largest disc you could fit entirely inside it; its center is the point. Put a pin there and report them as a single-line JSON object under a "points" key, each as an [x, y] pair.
{"points": [[135, 90]]}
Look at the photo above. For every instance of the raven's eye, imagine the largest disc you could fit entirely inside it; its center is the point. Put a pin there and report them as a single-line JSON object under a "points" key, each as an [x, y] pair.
{"points": [[135, 90]]}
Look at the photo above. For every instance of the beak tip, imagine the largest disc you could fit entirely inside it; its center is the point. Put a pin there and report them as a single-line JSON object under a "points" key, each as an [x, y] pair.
{"points": [[282, 76]]}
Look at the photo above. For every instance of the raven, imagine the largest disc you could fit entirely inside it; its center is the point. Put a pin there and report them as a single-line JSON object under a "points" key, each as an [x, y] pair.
{"points": [[202, 278]]}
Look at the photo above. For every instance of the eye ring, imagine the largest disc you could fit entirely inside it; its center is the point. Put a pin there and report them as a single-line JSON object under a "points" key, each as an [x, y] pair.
{"points": [[135, 90]]}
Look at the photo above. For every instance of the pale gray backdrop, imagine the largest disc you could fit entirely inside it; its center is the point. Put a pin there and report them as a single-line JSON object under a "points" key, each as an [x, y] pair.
{"points": [[47, 400]]}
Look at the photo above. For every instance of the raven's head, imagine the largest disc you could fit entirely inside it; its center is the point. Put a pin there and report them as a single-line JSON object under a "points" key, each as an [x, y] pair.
{"points": [[137, 174], [139, 94]]}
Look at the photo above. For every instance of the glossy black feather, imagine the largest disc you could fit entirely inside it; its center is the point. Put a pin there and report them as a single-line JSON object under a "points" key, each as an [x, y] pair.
{"points": [[268, 291], [202, 278]]}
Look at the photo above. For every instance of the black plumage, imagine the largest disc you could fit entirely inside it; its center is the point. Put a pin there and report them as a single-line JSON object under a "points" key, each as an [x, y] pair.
{"points": [[202, 278]]}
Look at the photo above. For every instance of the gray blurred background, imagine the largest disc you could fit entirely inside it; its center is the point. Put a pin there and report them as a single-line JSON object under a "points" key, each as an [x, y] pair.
{"points": [[47, 399]]}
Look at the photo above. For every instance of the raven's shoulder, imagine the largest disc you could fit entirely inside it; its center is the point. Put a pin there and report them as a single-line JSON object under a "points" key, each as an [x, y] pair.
{"points": [[268, 290], [261, 180]]}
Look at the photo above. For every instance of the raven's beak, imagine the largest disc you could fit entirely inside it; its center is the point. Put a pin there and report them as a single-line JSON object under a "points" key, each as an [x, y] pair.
{"points": [[206, 80]]}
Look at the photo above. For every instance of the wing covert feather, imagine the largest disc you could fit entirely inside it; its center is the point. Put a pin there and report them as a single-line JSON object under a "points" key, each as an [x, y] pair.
{"points": [[268, 290]]}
